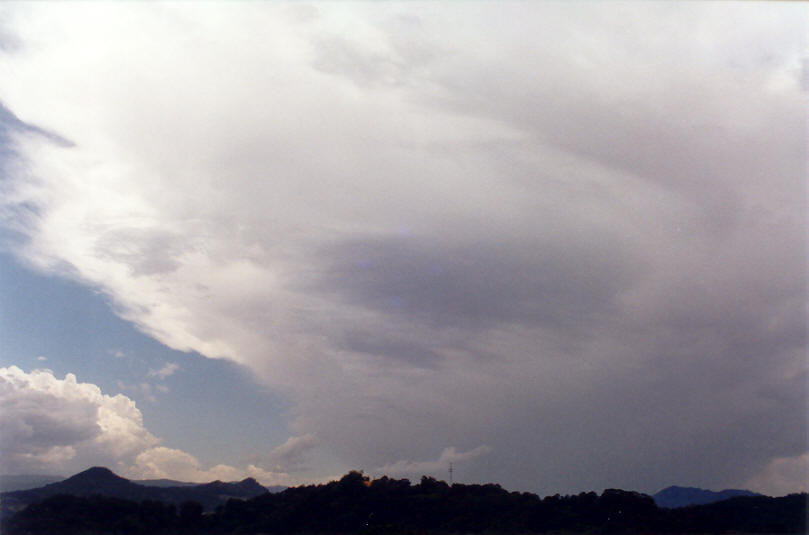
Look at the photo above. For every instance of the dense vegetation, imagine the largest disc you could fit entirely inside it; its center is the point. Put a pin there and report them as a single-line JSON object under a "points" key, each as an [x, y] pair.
{"points": [[357, 505]]}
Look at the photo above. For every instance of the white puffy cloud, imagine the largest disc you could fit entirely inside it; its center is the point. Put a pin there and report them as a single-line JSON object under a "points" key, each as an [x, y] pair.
{"points": [[61, 425], [162, 462], [537, 227], [49, 421]]}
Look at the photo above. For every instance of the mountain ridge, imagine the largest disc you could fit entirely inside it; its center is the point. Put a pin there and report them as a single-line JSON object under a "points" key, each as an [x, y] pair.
{"points": [[674, 496], [99, 480]]}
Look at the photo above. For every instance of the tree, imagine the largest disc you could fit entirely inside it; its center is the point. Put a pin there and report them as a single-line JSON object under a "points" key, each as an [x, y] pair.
{"points": [[190, 514]]}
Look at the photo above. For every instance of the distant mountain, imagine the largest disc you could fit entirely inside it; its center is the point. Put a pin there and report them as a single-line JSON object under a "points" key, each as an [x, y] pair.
{"points": [[673, 497], [163, 483], [26, 481], [99, 480], [246, 488], [173, 483]]}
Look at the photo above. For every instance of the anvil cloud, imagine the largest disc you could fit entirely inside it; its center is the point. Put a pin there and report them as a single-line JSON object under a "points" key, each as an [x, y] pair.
{"points": [[569, 238]]}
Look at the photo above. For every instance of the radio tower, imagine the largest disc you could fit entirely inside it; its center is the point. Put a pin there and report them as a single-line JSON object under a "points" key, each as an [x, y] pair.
{"points": [[450, 474]]}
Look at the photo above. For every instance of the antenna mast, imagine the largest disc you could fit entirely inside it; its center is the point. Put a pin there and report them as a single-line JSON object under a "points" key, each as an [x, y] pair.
{"points": [[450, 474]]}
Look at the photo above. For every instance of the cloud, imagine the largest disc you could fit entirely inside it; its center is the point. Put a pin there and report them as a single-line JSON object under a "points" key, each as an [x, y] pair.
{"points": [[146, 389], [165, 371], [60, 425], [783, 475], [505, 225], [162, 462], [291, 452], [48, 421], [143, 389], [440, 465], [550, 281]]}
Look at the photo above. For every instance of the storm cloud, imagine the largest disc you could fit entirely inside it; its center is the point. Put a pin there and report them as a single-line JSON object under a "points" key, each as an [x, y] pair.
{"points": [[568, 236]]}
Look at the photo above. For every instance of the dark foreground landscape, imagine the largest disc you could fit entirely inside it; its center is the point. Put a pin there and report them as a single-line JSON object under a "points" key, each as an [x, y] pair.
{"points": [[357, 505]]}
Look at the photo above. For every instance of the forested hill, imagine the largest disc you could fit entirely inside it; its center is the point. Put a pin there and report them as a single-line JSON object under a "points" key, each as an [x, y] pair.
{"points": [[102, 481], [359, 506]]}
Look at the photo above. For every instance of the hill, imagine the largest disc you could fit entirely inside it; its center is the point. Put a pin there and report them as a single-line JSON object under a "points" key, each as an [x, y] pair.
{"points": [[102, 481], [673, 497], [174, 483], [355, 504]]}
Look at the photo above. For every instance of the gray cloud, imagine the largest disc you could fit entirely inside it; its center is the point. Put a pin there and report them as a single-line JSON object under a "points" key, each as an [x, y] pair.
{"points": [[546, 282], [390, 345], [575, 236], [38, 423], [291, 453], [148, 252], [440, 465]]}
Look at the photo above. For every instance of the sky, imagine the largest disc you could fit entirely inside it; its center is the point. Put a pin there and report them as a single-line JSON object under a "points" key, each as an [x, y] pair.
{"points": [[561, 246]]}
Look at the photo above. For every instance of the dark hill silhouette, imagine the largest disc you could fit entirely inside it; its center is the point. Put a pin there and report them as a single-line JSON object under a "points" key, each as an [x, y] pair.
{"points": [[94, 480], [102, 481], [355, 504], [673, 497], [175, 483], [247, 487]]}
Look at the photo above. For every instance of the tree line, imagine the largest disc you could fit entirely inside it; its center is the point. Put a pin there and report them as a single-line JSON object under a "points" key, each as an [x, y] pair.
{"points": [[357, 505]]}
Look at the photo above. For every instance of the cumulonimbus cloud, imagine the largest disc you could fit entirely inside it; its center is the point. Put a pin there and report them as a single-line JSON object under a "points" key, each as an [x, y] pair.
{"points": [[513, 225]]}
